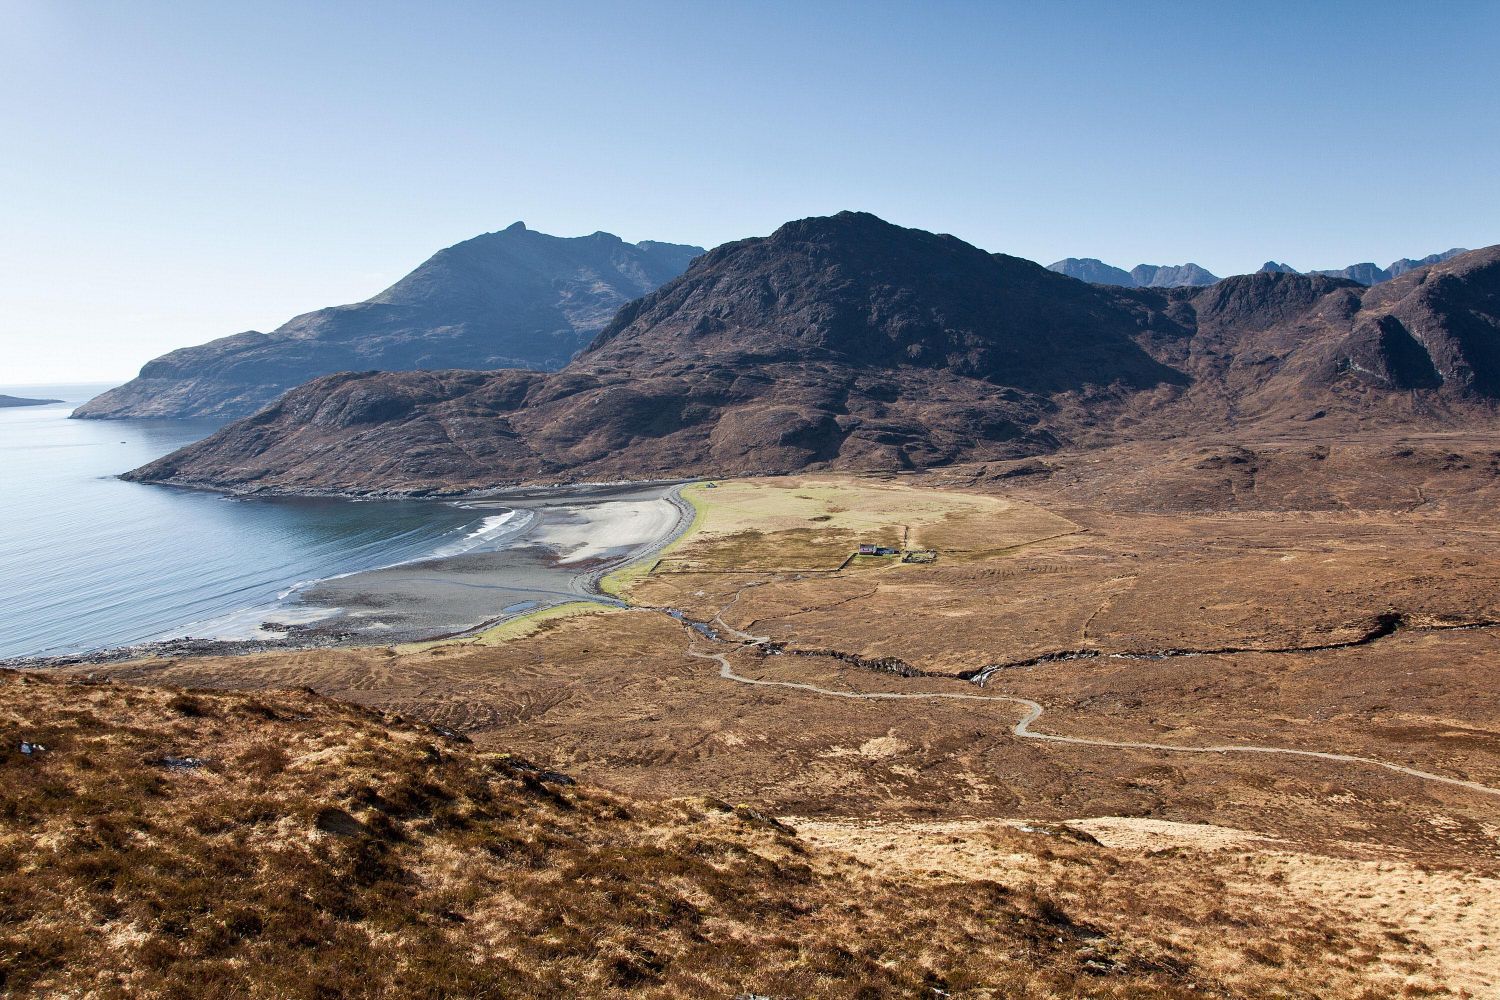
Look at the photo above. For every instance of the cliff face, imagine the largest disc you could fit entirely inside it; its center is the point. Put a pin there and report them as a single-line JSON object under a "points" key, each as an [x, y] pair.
{"points": [[848, 343], [512, 299]]}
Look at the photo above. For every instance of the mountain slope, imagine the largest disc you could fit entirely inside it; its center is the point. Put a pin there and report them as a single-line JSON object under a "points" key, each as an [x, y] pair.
{"points": [[1170, 276], [855, 290], [845, 342], [1437, 327], [849, 343], [1274, 348], [1399, 267], [168, 843], [511, 299]]}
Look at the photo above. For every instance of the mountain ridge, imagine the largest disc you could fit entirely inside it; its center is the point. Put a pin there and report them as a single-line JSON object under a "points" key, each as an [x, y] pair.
{"points": [[847, 343], [1095, 271], [1368, 273], [514, 298]]}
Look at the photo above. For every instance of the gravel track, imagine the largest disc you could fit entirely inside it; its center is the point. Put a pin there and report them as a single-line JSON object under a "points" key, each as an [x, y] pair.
{"points": [[1033, 712]]}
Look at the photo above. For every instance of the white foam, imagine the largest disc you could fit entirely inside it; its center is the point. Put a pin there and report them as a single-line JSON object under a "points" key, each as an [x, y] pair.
{"points": [[491, 530], [244, 624], [247, 623]]}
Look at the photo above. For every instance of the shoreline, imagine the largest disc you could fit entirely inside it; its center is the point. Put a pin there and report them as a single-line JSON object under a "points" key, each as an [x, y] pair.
{"points": [[517, 491], [573, 540]]}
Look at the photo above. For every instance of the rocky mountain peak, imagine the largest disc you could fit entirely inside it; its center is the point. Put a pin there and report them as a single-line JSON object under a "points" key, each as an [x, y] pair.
{"points": [[516, 298], [846, 342], [855, 288]]}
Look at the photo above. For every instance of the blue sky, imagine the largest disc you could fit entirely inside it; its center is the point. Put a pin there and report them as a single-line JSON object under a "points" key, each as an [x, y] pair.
{"points": [[174, 172]]}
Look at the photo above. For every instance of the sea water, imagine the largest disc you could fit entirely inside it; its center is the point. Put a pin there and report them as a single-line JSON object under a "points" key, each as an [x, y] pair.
{"points": [[88, 561]]}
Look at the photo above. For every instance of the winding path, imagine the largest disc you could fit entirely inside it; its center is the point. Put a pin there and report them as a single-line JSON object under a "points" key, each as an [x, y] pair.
{"points": [[1033, 712]]}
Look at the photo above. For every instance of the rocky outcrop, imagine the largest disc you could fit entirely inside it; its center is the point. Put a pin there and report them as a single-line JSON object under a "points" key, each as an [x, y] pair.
{"points": [[511, 299], [24, 401]]}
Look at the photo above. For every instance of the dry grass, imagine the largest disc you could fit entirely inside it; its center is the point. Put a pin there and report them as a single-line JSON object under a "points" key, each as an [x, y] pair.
{"points": [[520, 627], [325, 851], [814, 524], [1263, 877], [1252, 910]]}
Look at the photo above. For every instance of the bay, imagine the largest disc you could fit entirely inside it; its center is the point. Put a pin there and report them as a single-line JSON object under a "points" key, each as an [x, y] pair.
{"points": [[88, 561]]}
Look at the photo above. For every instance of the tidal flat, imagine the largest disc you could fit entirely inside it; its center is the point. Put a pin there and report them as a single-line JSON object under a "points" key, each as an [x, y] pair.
{"points": [[561, 543]]}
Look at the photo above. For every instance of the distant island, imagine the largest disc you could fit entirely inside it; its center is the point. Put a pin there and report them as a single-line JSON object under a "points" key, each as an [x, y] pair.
{"points": [[23, 401]]}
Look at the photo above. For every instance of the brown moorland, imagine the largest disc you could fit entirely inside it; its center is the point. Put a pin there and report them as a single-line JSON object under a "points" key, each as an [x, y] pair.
{"points": [[176, 843], [1331, 598]]}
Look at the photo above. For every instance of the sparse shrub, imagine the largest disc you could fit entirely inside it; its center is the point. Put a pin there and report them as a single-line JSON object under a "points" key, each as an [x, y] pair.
{"points": [[265, 760], [1044, 907], [378, 874], [188, 705]]}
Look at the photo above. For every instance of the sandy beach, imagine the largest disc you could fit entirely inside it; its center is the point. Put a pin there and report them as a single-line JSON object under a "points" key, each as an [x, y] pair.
{"points": [[527, 551], [561, 543]]}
